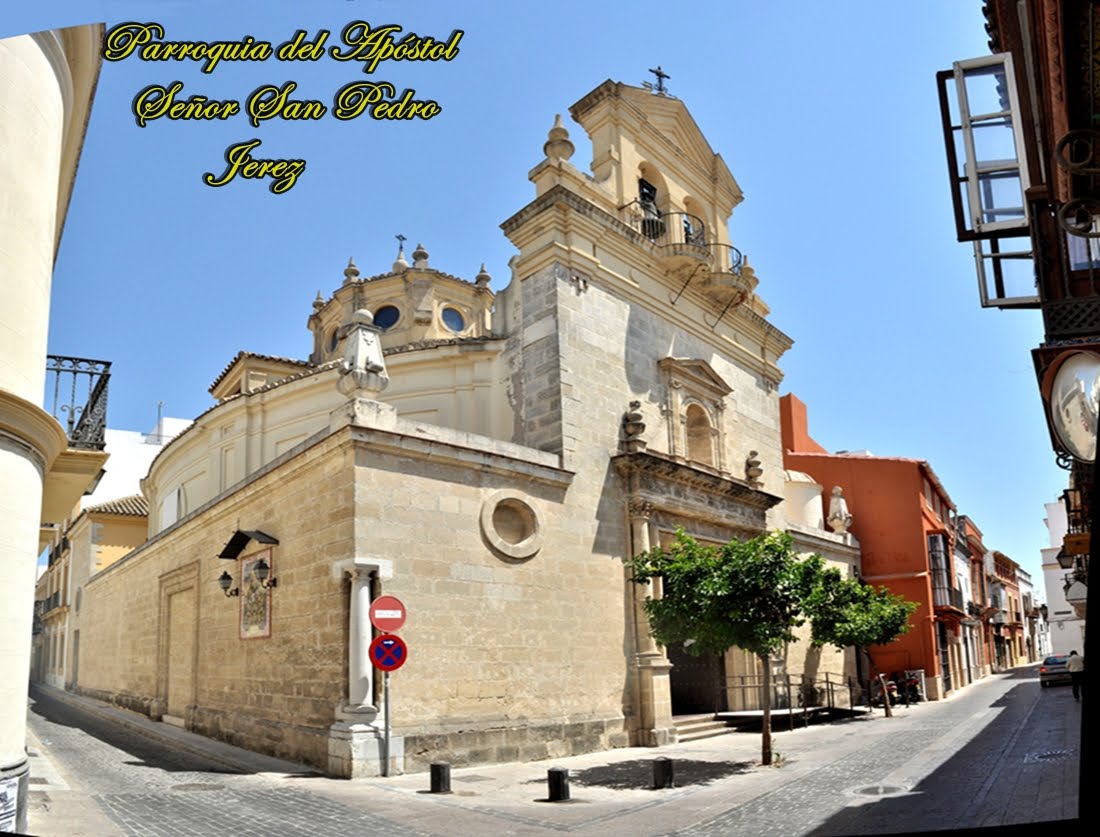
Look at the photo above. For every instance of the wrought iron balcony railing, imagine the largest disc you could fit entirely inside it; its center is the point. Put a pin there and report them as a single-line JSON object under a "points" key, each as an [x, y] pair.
{"points": [[79, 398], [674, 234], [947, 597]]}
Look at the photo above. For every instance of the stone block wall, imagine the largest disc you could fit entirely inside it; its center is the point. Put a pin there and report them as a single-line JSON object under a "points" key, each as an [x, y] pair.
{"points": [[508, 657], [274, 694]]}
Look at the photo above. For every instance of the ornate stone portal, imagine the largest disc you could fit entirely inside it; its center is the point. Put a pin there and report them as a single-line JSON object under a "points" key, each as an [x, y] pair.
{"points": [[663, 494]]}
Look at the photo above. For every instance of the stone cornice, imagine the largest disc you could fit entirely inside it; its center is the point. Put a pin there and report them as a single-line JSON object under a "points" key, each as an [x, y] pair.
{"points": [[506, 459], [33, 426], [666, 469], [561, 195]]}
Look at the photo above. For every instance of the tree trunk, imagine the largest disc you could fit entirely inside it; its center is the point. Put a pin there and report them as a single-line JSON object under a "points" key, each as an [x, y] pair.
{"points": [[766, 701], [882, 685]]}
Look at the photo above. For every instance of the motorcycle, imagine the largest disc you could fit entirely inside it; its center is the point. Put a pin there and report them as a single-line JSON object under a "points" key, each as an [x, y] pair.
{"points": [[910, 684], [876, 692]]}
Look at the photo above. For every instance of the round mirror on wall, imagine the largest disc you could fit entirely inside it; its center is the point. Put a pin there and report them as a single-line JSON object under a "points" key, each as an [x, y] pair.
{"points": [[1074, 396]]}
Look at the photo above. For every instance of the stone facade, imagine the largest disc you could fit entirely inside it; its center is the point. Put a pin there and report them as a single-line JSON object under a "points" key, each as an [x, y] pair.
{"points": [[489, 459]]}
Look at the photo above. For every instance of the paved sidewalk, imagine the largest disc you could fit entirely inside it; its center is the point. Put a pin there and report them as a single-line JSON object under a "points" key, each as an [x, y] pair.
{"points": [[999, 752]]}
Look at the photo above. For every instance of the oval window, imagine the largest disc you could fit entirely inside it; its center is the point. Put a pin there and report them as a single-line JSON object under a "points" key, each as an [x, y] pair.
{"points": [[453, 319], [333, 339], [386, 316]]}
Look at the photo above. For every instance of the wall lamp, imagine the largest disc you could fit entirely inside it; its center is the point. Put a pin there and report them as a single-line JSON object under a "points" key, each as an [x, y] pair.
{"points": [[225, 581], [262, 571]]}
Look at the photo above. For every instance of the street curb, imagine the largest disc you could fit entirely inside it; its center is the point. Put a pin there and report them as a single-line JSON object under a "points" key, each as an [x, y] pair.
{"points": [[179, 739]]}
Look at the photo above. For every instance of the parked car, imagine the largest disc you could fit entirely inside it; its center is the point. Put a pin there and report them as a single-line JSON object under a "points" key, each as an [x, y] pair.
{"points": [[1053, 670]]}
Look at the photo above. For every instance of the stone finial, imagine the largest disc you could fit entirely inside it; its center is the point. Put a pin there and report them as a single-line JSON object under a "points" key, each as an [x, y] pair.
{"points": [[400, 264], [483, 278], [633, 426], [839, 516], [420, 256], [363, 368], [753, 471], [318, 302], [558, 145], [351, 272]]}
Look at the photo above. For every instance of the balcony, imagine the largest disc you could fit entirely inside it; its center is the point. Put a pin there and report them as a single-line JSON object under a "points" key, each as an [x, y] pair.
{"points": [[79, 398], [679, 239], [730, 277], [943, 596], [76, 397]]}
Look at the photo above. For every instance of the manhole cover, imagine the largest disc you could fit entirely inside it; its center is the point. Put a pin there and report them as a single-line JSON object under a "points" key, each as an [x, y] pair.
{"points": [[880, 790], [1048, 755], [197, 786]]}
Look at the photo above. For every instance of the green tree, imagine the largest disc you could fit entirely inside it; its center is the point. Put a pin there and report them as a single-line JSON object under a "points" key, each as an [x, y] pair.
{"points": [[846, 612], [748, 594]]}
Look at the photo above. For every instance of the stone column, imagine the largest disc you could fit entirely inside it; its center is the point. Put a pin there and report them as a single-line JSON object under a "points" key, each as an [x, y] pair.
{"points": [[654, 719], [360, 671], [355, 747]]}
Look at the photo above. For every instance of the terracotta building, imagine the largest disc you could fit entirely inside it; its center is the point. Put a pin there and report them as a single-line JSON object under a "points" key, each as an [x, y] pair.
{"points": [[904, 520]]}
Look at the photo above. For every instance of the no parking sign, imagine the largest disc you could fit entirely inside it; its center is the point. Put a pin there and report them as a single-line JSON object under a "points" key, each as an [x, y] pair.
{"points": [[388, 652]]}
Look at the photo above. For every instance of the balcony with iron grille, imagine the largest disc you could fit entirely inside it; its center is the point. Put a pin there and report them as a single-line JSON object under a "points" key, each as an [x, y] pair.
{"points": [[76, 397], [679, 239], [948, 597]]}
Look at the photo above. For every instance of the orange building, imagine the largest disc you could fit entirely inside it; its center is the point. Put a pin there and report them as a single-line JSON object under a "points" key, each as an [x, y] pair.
{"points": [[1009, 631], [904, 521], [969, 542]]}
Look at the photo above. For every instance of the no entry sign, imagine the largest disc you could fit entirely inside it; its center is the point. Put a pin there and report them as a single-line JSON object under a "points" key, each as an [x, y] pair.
{"points": [[387, 613], [388, 652]]}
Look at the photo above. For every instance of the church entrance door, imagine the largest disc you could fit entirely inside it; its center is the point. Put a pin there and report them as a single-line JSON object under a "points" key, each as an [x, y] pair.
{"points": [[696, 683]]}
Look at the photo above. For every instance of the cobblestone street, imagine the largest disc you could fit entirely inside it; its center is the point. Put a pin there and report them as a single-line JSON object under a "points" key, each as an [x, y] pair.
{"points": [[1003, 751]]}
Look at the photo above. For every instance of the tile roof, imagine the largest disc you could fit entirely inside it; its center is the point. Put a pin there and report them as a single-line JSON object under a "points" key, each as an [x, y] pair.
{"points": [[244, 354], [135, 505]]}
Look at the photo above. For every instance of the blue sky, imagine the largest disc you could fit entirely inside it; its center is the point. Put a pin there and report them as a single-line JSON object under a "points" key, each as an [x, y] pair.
{"points": [[825, 113]]}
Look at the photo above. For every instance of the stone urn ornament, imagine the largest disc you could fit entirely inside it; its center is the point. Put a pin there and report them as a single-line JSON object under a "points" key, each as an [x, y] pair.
{"points": [[633, 427]]}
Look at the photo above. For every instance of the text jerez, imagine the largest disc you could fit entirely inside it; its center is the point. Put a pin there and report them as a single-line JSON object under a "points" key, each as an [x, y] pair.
{"points": [[359, 42]]}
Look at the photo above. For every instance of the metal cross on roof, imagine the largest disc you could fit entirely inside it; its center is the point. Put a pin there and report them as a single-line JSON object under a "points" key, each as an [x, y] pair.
{"points": [[661, 76], [400, 240]]}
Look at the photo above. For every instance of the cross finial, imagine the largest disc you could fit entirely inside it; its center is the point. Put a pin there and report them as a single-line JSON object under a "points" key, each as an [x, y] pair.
{"points": [[400, 240], [661, 76]]}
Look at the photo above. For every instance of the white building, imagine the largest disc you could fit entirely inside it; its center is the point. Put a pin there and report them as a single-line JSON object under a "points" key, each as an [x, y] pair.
{"points": [[46, 85], [1067, 630]]}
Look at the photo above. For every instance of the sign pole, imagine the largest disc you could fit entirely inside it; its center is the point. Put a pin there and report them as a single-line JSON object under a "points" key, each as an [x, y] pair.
{"points": [[386, 699]]}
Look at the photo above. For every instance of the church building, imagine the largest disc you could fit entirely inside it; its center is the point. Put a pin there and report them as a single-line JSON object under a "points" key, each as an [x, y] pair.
{"points": [[490, 459]]}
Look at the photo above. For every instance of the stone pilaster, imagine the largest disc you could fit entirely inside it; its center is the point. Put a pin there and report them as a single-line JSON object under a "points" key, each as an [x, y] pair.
{"points": [[651, 667]]}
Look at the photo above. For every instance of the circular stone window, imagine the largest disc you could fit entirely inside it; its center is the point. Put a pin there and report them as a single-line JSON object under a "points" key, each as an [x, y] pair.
{"points": [[387, 316], [453, 319], [511, 525]]}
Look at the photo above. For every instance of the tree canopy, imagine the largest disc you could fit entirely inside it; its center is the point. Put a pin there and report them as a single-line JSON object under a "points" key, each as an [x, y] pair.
{"points": [[845, 612], [752, 594], [747, 594]]}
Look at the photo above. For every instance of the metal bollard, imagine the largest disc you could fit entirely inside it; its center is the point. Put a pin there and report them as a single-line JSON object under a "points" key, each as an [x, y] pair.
{"points": [[558, 780], [662, 773], [441, 777]]}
